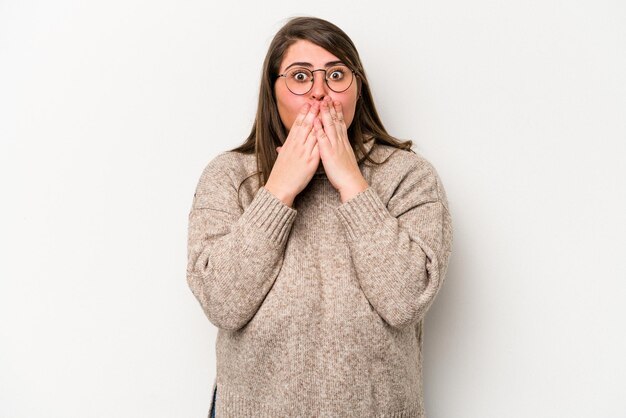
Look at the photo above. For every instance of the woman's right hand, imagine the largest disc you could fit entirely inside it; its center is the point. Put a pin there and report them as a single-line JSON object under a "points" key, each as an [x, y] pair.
{"points": [[298, 158]]}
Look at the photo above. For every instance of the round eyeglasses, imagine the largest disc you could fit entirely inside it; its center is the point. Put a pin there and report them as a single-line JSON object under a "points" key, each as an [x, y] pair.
{"points": [[300, 80]]}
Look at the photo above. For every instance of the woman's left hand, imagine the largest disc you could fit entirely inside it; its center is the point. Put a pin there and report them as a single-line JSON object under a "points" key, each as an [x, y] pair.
{"points": [[336, 153]]}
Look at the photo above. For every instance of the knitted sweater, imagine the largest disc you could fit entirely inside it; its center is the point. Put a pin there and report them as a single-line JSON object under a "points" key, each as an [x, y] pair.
{"points": [[320, 306]]}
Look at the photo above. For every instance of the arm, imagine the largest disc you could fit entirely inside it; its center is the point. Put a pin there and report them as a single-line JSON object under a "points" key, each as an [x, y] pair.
{"points": [[234, 255], [400, 250]]}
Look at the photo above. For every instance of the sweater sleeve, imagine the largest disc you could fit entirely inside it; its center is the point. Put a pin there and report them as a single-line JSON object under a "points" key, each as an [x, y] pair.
{"points": [[400, 250], [234, 254]]}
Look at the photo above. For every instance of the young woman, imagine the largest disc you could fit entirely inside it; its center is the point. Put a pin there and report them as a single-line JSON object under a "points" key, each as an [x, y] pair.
{"points": [[318, 245]]}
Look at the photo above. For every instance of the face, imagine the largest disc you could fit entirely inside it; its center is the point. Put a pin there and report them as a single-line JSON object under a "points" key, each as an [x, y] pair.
{"points": [[289, 104]]}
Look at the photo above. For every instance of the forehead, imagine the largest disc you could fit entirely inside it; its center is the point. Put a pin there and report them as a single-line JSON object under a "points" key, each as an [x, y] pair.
{"points": [[306, 51]]}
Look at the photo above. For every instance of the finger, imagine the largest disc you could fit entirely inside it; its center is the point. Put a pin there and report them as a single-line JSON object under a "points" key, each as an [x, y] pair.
{"points": [[327, 121], [304, 110], [333, 112], [320, 134], [342, 134], [316, 151], [310, 141], [340, 119], [307, 124]]}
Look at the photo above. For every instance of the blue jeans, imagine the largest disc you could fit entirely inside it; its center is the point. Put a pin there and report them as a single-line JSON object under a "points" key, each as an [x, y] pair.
{"points": [[213, 405]]}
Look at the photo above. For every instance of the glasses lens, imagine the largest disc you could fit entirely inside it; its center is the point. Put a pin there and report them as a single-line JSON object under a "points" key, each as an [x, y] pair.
{"points": [[299, 80], [339, 78]]}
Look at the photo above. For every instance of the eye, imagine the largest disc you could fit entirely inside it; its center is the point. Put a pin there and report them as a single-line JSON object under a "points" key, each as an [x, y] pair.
{"points": [[299, 75], [336, 74]]}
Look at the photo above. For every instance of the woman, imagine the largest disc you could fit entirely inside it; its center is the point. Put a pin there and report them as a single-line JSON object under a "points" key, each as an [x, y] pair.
{"points": [[316, 266]]}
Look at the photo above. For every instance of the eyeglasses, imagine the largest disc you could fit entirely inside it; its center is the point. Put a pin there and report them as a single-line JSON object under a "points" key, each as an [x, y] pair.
{"points": [[300, 80]]}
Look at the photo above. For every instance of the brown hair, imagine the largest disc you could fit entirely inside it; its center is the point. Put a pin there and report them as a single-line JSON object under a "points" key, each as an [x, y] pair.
{"points": [[268, 131]]}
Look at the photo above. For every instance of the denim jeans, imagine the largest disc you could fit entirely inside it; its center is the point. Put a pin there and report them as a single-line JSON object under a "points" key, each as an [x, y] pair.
{"points": [[213, 405]]}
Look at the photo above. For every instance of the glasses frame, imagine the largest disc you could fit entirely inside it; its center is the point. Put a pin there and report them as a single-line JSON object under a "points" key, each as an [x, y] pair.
{"points": [[354, 74]]}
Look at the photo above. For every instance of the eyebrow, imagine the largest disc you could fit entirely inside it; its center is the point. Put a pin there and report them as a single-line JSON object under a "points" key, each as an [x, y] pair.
{"points": [[308, 64]]}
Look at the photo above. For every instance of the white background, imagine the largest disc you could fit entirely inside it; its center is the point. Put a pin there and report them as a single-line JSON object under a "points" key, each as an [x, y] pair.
{"points": [[110, 110]]}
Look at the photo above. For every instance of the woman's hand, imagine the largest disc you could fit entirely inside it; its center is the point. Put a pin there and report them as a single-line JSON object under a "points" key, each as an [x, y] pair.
{"points": [[298, 158], [336, 152]]}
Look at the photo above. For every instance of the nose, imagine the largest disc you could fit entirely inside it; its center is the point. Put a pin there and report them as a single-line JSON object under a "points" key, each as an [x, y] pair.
{"points": [[320, 88]]}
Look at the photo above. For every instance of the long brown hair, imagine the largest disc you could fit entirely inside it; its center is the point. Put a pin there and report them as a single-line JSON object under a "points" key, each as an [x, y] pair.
{"points": [[268, 131]]}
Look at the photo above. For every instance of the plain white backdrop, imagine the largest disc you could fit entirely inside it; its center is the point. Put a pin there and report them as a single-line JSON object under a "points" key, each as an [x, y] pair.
{"points": [[110, 110]]}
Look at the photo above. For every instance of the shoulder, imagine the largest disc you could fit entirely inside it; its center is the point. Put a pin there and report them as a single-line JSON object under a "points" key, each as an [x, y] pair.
{"points": [[407, 171], [403, 160], [219, 185], [224, 169]]}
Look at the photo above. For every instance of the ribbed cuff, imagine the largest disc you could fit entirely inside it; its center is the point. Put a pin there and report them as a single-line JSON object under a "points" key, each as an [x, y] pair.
{"points": [[269, 216], [362, 213]]}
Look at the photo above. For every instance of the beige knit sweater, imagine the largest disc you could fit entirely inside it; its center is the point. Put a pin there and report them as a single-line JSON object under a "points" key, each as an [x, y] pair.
{"points": [[319, 307]]}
